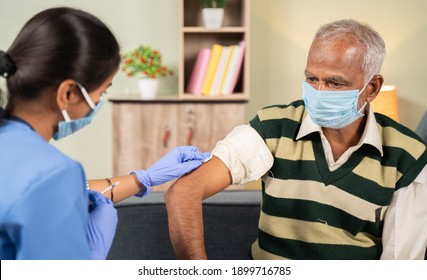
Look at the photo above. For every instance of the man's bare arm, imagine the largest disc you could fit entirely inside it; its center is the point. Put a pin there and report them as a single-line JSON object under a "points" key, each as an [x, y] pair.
{"points": [[184, 205]]}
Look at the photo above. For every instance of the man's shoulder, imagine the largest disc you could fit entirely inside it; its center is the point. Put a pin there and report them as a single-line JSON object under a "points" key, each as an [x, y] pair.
{"points": [[293, 111], [293, 104], [402, 148], [390, 129]]}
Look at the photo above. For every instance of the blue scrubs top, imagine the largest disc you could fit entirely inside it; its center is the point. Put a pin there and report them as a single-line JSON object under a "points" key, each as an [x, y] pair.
{"points": [[43, 198]]}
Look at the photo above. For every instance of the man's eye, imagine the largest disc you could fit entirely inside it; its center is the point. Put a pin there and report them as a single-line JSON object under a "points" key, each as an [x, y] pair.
{"points": [[336, 85], [311, 80]]}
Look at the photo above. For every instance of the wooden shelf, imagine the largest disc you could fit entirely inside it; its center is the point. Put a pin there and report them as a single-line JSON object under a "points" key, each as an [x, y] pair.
{"points": [[214, 30], [145, 130], [193, 37], [185, 119], [235, 98]]}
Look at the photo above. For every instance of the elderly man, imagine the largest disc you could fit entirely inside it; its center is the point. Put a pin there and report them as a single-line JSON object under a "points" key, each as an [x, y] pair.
{"points": [[338, 181]]}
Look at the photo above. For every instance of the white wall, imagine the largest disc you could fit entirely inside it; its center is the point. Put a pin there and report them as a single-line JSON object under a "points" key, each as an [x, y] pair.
{"points": [[281, 33]]}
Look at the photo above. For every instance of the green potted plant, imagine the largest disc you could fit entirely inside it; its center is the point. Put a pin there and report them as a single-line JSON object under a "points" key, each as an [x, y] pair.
{"points": [[213, 12], [212, 3], [145, 63]]}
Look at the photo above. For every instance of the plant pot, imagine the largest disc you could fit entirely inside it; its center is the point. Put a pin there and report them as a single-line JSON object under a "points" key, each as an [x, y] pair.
{"points": [[212, 17], [148, 87]]}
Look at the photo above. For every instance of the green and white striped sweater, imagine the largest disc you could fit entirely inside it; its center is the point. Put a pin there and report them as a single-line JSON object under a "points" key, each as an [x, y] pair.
{"points": [[309, 212]]}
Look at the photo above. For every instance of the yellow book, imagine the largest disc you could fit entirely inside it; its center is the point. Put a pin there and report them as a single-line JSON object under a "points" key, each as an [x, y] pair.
{"points": [[216, 83], [210, 73]]}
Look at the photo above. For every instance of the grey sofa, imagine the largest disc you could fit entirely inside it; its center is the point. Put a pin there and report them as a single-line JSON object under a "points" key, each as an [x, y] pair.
{"points": [[422, 128], [230, 221]]}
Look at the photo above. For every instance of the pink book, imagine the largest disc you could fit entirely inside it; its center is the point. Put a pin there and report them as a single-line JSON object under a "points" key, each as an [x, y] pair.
{"points": [[238, 67], [198, 73]]}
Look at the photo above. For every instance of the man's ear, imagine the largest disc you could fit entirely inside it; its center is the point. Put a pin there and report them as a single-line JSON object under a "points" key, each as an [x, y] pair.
{"points": [[63, 93], [374, 87]]}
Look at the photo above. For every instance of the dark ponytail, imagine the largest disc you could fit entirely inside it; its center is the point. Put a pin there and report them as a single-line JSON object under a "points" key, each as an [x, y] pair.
{"points": [[55, 45], [7, 67]]}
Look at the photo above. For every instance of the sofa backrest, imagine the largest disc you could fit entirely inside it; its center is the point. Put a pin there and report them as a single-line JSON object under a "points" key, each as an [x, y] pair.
{"points": [[230, 221], [422, 128]]}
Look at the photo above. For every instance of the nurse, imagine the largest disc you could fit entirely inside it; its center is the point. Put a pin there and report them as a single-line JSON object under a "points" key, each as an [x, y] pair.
{"points": [[57, 71]]}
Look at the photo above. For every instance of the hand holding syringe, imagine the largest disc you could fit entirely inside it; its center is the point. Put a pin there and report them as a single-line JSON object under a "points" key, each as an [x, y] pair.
{"points": [[110, 187]]}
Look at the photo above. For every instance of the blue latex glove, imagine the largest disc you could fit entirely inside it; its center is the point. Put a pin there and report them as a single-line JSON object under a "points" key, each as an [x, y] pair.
{"points": [[102, 225], [177, 162]]}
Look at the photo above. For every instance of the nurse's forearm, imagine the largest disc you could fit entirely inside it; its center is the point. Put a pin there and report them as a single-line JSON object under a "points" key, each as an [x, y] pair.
{"points": [[129, 186]]}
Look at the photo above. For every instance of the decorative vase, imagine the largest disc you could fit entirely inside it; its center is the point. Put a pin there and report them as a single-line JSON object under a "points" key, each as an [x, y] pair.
{"points": [[148, 87], [212, 17]]}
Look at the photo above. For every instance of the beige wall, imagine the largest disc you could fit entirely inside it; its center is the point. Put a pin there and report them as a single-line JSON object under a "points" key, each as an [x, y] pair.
{"points": [[281, 32]]}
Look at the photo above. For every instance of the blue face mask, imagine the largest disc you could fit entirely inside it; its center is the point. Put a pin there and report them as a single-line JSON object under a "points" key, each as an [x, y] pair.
{"points": [[69, 126], [332, 109]]}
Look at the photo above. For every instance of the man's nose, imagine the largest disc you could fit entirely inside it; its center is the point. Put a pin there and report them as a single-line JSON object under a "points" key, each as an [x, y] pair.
{"points": [[321, 86]]}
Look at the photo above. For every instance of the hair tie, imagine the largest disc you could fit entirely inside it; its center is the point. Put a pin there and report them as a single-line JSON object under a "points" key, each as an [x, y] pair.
{"points": [[7, 66]]}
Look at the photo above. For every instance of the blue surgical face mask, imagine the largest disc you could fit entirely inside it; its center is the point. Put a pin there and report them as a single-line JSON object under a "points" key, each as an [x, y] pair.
{"points": [[332, 109], [69, 126]]}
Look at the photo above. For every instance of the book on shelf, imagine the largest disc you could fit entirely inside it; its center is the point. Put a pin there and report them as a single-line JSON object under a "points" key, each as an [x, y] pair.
{"points": [[234, 69], [198, 73], [220, 70], [216, 70], [210, 73], [226, 70]]}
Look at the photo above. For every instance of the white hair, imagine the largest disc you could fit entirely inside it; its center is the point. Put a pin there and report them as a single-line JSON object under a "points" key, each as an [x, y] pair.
{"points": [[374, 46]]}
